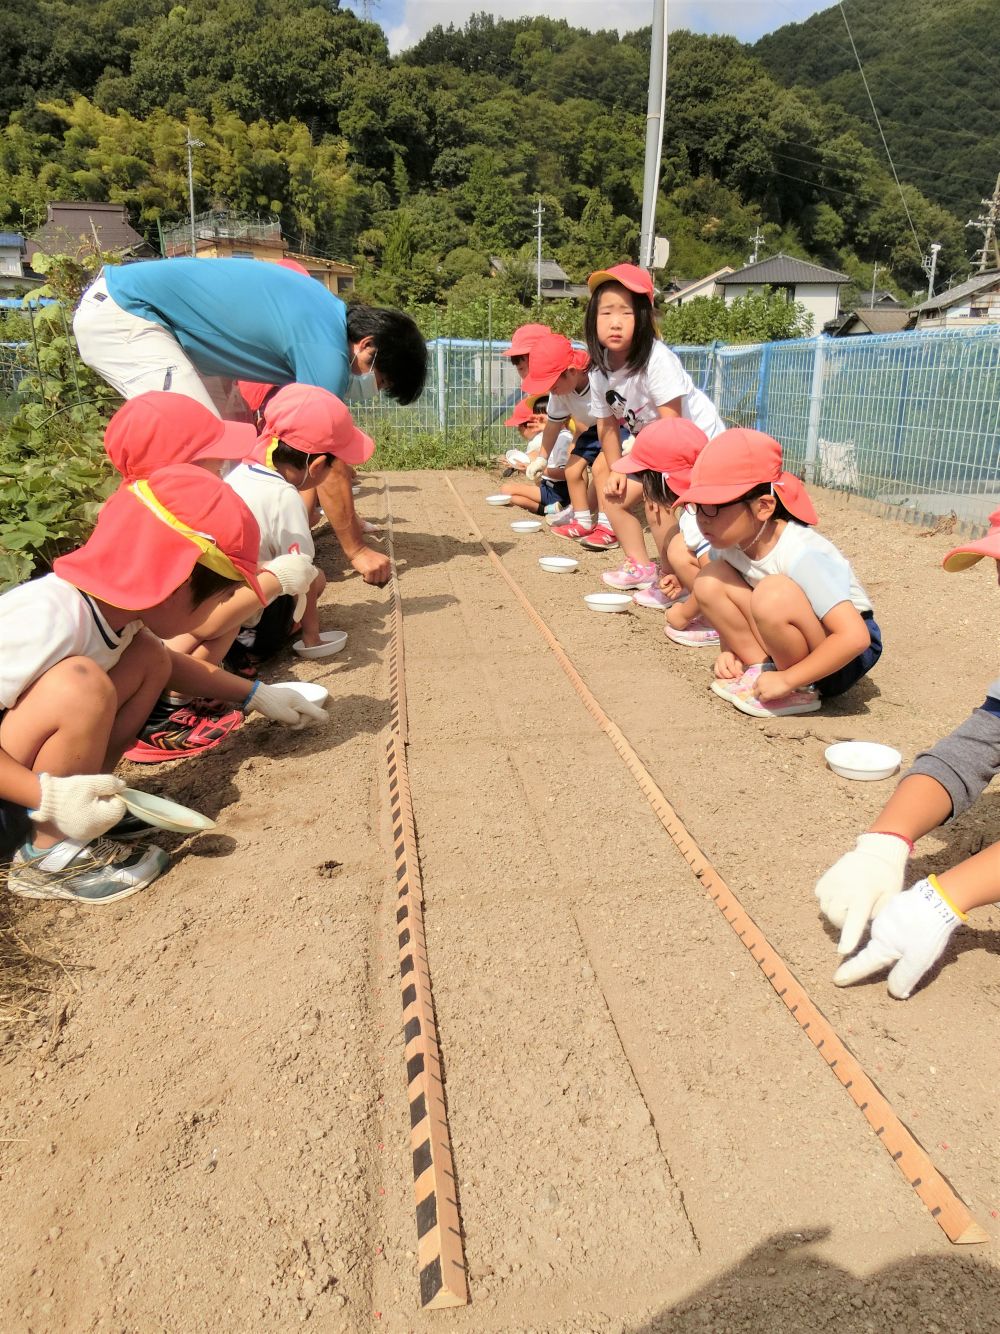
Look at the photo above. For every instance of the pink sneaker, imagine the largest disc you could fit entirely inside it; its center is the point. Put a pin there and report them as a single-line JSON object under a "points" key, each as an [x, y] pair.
{"points": [[697, 634], [804, 700], [573, 530], [728, 689], [652, 597], [632, 576], [601, 539]]}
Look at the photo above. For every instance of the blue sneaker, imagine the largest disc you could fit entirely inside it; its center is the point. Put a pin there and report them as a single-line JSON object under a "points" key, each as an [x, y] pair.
{"points": [[98, 872]]}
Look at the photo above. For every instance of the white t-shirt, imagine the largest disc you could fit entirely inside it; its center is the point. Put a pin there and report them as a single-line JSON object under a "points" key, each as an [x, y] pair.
{"points": [[636, 394], [558, 454], [694, 539], [46, 621], [576, 405], [278, 508], [811, 560]]}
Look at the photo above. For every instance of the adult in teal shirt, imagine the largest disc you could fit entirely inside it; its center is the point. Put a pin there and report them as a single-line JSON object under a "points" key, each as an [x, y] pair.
{"points": [[169, 324]]}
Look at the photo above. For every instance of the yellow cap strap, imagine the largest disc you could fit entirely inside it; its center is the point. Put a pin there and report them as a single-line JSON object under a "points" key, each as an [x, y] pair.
{"points": [[269, 453], [211, 555]]}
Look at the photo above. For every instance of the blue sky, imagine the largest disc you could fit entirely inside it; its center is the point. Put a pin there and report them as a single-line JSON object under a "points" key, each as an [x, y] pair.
{"points": [[405, 21]]}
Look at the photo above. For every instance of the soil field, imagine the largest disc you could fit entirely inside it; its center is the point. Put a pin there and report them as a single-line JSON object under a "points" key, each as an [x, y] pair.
{"points": [[204, 1122]]}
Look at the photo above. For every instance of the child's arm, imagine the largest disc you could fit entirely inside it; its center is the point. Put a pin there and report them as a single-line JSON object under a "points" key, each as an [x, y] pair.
{"points": [[18, 784], [846, 636], [193, 677], [79, 806], [539, 463]]}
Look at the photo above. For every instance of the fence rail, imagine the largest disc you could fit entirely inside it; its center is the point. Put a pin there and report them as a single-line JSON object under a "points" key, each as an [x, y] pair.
{"points": [[910, 419]]}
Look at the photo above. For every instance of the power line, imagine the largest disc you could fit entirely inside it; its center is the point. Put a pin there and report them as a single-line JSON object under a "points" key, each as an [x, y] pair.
{"points": [[885, 145]]}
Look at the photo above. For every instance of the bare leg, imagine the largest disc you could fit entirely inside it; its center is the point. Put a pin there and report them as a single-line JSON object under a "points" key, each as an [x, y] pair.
{"points": [[626, 526], [525, 495], [686, 567], [784, 621], [576, 480], [310, 617], [724, 597], [139, 678]]}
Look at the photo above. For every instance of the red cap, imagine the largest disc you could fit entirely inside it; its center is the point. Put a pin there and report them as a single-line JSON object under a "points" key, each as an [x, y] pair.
{"points": [[524, 339], [669, 446], [158, 429], [738, 460], [629, 275], [294, 265], [581, 359], [150, 535], [962, 558], [315, 421], [548, 359], [526, 409], [254, 394]]}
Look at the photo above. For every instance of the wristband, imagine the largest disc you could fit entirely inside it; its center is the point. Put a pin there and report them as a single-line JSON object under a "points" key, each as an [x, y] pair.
{"points": [[253, 691], [935, 884], [889, 833]]}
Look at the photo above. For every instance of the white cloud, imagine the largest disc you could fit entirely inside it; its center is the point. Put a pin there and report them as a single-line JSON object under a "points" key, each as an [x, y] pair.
{"points": [[406, 21]]}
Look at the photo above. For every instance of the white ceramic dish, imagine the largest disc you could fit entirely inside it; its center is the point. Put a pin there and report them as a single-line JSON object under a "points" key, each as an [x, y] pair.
{"points": [[865, 761], [310, 690], [356, 489], [516, 456], [558, 564], [608, 601], [165, 814], [498, 499], [526, 525], [332, 642]]}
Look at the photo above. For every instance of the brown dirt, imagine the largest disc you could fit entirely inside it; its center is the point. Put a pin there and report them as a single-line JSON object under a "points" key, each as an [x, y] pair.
{"points": [[211, 1130]]}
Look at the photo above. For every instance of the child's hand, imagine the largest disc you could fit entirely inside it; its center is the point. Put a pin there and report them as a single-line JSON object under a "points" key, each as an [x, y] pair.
{"points": [[536, 467], [670, 585], [614, 487], [728, 666], [860, 884], [772, 685], [81, 806], [908, 935]]}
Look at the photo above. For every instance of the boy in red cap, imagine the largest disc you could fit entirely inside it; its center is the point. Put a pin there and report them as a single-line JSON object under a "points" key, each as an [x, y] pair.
{"points": [[545, 492], [911, 928], [303, 430], [151, 432], [661, 459], [522, 340], [558, 369], [794, 623], [635, 379], [82, 662]]}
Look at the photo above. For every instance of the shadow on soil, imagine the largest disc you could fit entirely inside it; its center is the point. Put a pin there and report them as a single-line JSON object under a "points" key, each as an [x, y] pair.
{"points": [[783, 1285]]}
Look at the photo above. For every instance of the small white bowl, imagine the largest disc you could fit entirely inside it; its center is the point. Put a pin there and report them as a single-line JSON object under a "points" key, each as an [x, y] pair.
{"points": [[558, 564], [498, 499], [332, 641], [608, 601], [164, 814], [517, 456], [356, 489], [310, 690], [526, 525], [866, 761]]}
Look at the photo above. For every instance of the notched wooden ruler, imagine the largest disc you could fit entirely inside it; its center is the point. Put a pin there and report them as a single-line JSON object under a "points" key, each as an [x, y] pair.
{"points": [[946, 1208], [440, 1253]]}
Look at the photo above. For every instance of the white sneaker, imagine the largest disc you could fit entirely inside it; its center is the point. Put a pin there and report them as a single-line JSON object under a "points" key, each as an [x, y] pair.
{"points": [[99, 872]]}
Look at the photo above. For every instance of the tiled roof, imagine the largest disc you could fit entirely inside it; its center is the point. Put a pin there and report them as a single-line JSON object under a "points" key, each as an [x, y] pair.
{"points": [[782, 271], [892, 319], [12, 240], [969, 288], [71, 225]]}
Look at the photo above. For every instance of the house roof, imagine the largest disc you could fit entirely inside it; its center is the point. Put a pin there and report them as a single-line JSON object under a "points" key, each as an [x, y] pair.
{"points": [[551, 271], [12, 240], [969, 288], [679, 292], [887, 319], [782, 271], [71, 225]]}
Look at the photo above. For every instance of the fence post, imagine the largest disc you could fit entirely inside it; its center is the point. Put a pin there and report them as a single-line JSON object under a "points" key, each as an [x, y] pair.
{"points": [[815, 408], [763, 385], [717, 376], [442, 396]]}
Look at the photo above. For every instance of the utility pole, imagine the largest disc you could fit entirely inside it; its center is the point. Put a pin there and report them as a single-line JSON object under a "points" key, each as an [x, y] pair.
{"points": [[191, 144], [538, 261], [989, 224], [929, 266], [874, 281], [655, 103], [757, 240]]}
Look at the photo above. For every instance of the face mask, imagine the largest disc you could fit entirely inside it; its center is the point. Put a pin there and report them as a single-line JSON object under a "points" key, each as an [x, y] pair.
{"points": [[361, 387]]}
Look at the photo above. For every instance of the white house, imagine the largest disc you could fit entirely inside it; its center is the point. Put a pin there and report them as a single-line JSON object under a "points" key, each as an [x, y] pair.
{"points": [[970, 304], [816, 288]]}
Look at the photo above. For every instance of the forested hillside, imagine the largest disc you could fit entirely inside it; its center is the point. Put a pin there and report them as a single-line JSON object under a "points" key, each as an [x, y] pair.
{"points": [[423, 166], [933, 67]]}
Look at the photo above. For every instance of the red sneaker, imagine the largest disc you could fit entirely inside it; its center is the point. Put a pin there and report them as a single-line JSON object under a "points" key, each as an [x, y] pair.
{"points": [[186, 732], [573, 530], [601, 539]]}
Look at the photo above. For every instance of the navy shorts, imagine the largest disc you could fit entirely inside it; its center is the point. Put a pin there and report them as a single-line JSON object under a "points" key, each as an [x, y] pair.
{"points": [[14, 827], [852, 672], [588, 446], [553, 493]]}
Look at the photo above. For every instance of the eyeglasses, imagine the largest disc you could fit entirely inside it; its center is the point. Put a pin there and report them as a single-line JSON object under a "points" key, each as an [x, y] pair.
{"points": [[710, 511]]}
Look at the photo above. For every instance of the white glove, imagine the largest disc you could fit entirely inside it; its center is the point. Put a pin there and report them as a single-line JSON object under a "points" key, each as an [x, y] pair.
{"points": [[295, 574], [910, 934], [285, 706], [862, 882], [536, 467], [82, 806]]}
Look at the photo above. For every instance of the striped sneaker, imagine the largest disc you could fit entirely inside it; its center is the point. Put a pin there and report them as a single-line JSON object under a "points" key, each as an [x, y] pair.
{"points": [[186, 732]]}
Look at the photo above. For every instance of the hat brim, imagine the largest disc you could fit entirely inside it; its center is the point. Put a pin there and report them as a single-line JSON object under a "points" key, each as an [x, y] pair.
{"points": [[236, 442], [357, 449], [541, 384], [133, 561], [633, 285], [628, 463], [963, 558]]}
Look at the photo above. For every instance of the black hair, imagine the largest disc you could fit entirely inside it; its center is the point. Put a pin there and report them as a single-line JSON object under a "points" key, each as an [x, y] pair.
{"points": [[655, 489], [767, 489], [206, 583], [296, 458], [400, 350], [644, 333]]}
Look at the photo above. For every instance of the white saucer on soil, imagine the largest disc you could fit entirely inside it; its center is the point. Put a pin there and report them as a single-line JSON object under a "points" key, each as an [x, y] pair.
{"points": [[332, 642], [865, 761]]}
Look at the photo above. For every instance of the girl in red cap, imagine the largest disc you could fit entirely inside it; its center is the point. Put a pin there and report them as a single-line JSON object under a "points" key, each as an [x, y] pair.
{"points": [[82, 663], [546, 489], [635, 379], [794, 623]]}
